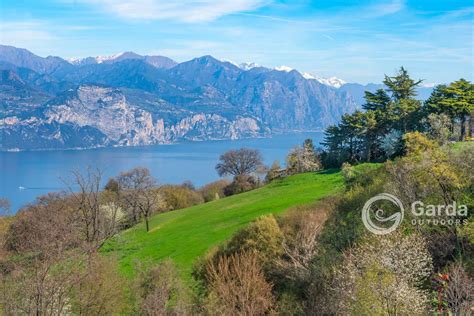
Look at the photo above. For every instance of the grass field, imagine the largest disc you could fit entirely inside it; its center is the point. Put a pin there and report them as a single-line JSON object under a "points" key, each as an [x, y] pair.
{"points": [[463, 145], [183, 235]]}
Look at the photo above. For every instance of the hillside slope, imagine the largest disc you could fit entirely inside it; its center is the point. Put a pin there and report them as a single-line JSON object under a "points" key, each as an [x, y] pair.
{"points": [[186, 234]]}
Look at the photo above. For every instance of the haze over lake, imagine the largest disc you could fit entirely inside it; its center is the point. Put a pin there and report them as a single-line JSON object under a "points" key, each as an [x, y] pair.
{"points": [[27, 175]]}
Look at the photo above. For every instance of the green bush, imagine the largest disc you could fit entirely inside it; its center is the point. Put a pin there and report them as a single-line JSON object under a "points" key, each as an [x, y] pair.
{"points": [[214, 190], [178, 196]]}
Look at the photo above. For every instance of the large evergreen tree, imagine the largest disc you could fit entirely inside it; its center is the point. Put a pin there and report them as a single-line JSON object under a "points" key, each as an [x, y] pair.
{"points": [[457, 101]]}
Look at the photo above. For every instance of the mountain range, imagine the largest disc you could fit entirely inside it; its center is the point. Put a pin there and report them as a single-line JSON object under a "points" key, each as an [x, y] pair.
{"points": [[129, 99]]}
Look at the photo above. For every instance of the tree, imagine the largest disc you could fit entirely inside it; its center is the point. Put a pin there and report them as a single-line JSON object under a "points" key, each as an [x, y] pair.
{"points": [[112, 185], [303, 159], [460, 291], [274, 172], [214, 190], [240, 184], [403, 90], [178, 196], [383, 275], [334, 142], [301, 227], [440, 128], [401, 86], [425, 172], [98, 223], [138, 190], [237, 286], [457, 101], [239, 162], [160, 291]]}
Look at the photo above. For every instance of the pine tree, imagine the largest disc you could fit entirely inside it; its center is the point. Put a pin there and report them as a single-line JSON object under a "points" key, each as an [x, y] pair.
{"points": [[457, 101]]}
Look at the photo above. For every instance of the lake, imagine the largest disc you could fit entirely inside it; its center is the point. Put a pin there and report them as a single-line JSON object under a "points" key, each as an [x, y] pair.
{"points": [[27, 175]]}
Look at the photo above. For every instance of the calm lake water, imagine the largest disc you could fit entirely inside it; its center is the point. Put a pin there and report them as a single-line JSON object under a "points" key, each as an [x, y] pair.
{"points": [[27, 175]]}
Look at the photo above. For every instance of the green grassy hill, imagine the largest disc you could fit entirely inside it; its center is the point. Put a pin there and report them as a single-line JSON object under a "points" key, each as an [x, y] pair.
{"points": [[183, 235]]}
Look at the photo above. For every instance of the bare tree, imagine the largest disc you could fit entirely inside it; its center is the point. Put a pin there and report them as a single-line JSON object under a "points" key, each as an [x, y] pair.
{"points": [[460, 291], [43, 237], [238, 286], [239, 162], [301, 227], [160, 290], [98, 221], [138, 190], [51, 269], [46, 228]]}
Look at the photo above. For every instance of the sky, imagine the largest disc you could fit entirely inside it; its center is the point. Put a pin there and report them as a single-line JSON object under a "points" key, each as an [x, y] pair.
{"points": [[358, 41]]}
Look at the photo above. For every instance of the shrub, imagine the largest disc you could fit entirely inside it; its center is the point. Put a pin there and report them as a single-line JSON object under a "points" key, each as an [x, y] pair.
{"points": [[347, 172], [214, 190], [160, 290], [263, 237], [85, 284], [47, 227], [301, 227], [460, 291], [178, 196], [383, 274], [238, 287], [240, 184], [99, 288]]}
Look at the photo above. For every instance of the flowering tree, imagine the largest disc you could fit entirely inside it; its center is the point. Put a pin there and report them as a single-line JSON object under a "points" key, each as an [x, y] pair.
{"points": [[382, 275]]}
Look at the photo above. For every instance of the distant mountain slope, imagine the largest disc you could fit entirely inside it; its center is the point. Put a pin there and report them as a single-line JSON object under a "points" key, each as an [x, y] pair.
{"points": [[23, 58], [155, 61], [93, 116], [129, 99]]}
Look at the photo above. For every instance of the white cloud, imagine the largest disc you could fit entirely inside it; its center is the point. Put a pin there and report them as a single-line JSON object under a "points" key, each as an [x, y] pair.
{"points": [[24, 33], [185, 11]]}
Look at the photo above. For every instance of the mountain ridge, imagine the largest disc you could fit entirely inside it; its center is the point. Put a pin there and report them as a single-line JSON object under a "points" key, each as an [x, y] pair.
{"points": [[50, 103]]}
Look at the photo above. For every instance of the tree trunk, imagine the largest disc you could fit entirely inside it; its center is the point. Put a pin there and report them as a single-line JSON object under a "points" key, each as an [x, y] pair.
{"points": [[463, 128], [471, 125], [351, 149], [369, 146], [146, 224]]}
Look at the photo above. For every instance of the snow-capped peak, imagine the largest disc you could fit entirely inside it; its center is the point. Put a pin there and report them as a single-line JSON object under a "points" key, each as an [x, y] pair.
{"points": [[101, 59], [74, 61], [230, 62], [307, 75], [332, 82], [248, 65], [97, 59], [284, 68]]}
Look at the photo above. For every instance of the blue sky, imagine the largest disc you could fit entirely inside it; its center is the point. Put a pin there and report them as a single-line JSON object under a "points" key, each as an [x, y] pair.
{"points": [[358, 41]]}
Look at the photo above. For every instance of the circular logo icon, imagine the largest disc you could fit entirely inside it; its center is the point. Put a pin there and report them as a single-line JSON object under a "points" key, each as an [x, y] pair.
{"points": [[396, 218]]}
